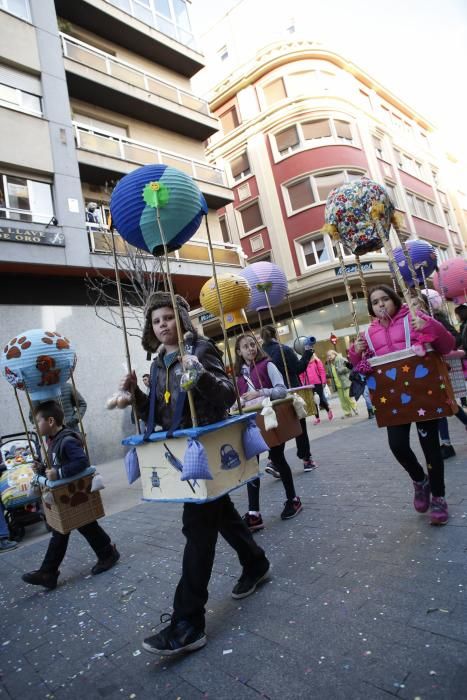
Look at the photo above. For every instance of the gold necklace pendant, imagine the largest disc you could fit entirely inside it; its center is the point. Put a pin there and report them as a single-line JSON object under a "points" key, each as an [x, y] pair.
{"points": [[167, 396]]}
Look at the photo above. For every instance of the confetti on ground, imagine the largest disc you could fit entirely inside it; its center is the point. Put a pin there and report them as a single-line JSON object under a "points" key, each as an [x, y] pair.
{"points": [[227, 651]]}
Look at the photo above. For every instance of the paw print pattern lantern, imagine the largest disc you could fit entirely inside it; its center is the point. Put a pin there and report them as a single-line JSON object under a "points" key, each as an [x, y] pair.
{"points": [[38, 360], [235, 294], [351, 212], [174, 193], [423, 257], [265, 277], [451, 280]]}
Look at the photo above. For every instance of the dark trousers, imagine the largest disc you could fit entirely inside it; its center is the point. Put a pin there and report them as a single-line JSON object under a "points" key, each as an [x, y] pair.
{"points": [[96, 537], [202, 523], [323, 402], [399, 444], [303, 446], [277, 457]]}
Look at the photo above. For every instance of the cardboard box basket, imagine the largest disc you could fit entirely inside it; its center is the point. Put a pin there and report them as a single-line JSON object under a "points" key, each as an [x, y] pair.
{"points": [[288, 424], [74, 505]]}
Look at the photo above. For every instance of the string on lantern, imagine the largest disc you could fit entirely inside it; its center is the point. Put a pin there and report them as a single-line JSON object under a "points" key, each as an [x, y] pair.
{"points": [[347, 289], [23, 419]]}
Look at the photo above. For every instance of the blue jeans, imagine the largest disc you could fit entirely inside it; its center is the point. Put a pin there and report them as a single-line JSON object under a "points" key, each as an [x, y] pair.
{"points": [[366, 396], [4, 531]]}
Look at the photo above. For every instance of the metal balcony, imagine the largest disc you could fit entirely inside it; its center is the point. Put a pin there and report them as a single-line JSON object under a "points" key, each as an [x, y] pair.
{"points": [[161, 41], [98, 77], [104, 156]]}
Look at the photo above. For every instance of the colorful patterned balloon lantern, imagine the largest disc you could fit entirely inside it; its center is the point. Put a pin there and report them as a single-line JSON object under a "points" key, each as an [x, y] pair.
{"points": [[235, 294], [451, 279], [423, 257], [265, 277], [351, 213], [38, 360], [137, 197]]}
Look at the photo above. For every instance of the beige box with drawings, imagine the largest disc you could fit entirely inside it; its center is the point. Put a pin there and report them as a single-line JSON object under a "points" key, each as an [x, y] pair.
{"points": [[161, 462]]}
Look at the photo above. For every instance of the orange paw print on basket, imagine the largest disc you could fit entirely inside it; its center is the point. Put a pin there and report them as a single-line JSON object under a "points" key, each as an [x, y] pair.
{"points": [[60, 341], [14, 347], [78, 494]]}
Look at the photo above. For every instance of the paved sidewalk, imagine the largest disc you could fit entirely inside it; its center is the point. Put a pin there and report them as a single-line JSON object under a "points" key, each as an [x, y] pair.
{"points": [[366, 599]]}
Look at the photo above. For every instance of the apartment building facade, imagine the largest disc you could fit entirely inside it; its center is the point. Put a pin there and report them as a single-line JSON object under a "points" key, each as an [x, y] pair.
{"points": [[89, 91], [297, 120]]}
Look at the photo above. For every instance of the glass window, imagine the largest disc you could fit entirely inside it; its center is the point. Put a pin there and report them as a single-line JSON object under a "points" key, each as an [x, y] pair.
{"points": [[274, 92], [392, 192], [181, 14], [26, 200], [224, 230], [343, 130], [229, 120], [315, 251], [20, 8], [143, 13], [326, 183], [316, 129], [378, 144], [421, 208], [447, 215], [288, 138], [431, 209], [240, 166], [300, 194], [251, 217], [162, 6]]}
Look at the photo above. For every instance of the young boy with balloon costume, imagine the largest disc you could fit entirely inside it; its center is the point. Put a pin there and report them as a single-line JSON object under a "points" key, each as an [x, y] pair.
{"points": [[202, 369], [389, 331]]}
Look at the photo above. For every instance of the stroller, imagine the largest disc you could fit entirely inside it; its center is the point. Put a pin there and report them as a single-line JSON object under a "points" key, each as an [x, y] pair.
{"points": [[20, 507]]}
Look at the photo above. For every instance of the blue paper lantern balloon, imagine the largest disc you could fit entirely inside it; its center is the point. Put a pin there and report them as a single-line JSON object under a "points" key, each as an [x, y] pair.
{"points": [[137, 196], [38, 360], [423, 257], [261, 276]]}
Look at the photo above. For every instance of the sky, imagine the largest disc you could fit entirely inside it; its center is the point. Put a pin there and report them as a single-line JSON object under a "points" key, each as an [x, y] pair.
{"points": [[416, 48]]}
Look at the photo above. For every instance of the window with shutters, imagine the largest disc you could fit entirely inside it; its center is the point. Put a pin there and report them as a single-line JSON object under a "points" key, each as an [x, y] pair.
{"points": [[240, 167], [423, 208], [251, 217], [393, 194], [314, 132], [224, 230], [274, 91], [314, 189], [20, 91], [229, 120]]}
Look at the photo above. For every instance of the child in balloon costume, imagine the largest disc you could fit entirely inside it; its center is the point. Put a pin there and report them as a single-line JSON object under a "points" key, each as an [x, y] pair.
{"points": [[407, 379]]}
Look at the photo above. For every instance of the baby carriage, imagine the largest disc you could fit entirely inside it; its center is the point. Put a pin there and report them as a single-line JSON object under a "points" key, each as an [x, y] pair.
{"points": [[20, 507]]}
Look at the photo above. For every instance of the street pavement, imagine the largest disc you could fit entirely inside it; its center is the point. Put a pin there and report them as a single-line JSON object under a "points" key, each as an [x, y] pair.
{"points": [[365, 599]]}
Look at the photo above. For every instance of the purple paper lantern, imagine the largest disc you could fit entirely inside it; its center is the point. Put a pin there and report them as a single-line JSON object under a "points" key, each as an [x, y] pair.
{"points": [[423, 257], [263, 276]]}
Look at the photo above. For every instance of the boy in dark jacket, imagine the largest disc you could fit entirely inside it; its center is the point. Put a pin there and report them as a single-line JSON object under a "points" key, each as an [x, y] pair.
{"points": [[213, 394], [67, 458]]}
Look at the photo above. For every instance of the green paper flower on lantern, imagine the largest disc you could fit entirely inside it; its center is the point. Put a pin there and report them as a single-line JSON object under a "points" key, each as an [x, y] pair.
{"points": [[156, 194]]}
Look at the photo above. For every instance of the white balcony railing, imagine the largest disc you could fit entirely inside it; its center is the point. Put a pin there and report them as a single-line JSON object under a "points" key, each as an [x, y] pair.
{"points": [[108, 144], [195, 250], [104, 62]]}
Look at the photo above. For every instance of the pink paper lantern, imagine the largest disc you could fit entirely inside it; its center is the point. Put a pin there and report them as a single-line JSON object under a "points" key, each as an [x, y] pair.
{"points": [[451, 280]]}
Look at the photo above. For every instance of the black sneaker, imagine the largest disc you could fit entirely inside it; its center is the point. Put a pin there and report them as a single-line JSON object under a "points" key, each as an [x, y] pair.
{"points": [[270, 469], [309, 465], [177, 638], [447, 451], [41, 578], [106, 564], [246, 584], [253, 522], [291, 508]]}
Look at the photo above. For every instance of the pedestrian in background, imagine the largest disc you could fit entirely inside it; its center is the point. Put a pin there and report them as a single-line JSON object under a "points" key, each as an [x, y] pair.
{"points": [[340, 372], [315, 374]]}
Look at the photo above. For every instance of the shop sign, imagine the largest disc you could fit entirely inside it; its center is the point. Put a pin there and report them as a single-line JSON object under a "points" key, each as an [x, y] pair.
{"points": [[352, 269], [20, 235], [205, 317]]}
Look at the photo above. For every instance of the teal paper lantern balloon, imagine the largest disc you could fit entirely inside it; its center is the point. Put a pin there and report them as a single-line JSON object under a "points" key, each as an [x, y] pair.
{"points": [[156, 188], [39, 361]]}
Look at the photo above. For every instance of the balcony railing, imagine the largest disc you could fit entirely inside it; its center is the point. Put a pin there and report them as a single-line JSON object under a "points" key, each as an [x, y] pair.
{"points": [[195, 250], [104, 62], [105, 143]]}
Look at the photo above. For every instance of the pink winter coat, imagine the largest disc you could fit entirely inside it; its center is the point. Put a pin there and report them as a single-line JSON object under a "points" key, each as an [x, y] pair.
{"points": [[392, 337], [314, 373]]}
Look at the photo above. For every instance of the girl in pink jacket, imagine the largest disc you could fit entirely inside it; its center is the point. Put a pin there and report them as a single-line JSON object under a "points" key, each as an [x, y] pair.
{"points": [[316, 374], [391, 330]]}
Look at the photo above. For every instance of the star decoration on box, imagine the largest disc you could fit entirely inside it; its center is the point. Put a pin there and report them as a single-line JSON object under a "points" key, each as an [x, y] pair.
{"points": [[442, 386], [421, 411], [383, 399], [429, 392], [406, 383], [439, 410], [405, 368], [394, 410], [380, 371]]}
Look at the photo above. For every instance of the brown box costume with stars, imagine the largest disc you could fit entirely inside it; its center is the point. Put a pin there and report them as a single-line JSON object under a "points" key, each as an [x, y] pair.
{"points": [[405, 387]]}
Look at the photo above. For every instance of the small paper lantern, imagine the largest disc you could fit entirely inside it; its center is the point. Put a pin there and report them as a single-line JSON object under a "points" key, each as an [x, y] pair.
{"points": [[451, 279], [138, 195], [38, 360], [265, 276], [351, 212], [235, 294], [434, 297], [423, 257]]}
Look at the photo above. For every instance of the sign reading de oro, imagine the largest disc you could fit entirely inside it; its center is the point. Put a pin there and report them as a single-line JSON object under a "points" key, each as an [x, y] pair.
{"points": [[19, 235]]}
